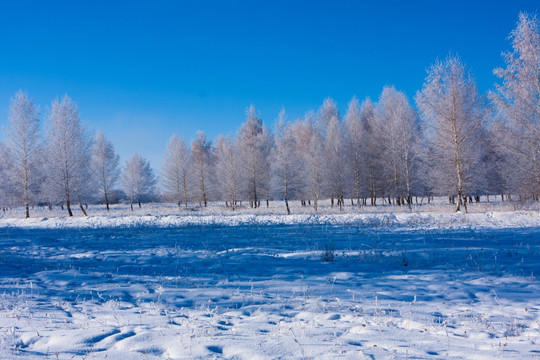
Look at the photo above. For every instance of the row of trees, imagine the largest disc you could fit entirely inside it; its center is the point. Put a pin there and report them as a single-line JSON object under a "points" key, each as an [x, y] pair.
{"points": [[455, 142]]}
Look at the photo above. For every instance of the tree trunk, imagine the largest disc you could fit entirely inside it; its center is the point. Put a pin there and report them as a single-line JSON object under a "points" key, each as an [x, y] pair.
{"points": [[287, 205], [68, 205], [82, 209], [107, 201], [26, 188]]}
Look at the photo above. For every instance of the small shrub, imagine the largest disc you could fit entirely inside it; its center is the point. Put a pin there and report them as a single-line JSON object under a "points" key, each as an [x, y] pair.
{"points": [[329, 253]]}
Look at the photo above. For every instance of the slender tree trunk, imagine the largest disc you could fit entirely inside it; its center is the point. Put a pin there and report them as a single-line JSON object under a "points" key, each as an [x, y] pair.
{"points": [[68, 205], [26, 192], [82, 209], [106, 200]]}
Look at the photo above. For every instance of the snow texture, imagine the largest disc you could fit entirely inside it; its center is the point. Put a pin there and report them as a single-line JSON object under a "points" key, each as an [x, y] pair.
{"points": [[398, 286]]}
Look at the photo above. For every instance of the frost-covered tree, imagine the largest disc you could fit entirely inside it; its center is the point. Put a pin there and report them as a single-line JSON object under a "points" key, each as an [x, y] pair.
{"points": [[517, 100], [228, 171], [374, 151], [400, 135], [326, 112], [450, 105], [286, 162], [355, 150], [300, 132], [69, 155], [23, 144], [8, 193], [329, 124], [138, 179], [254, 143], [336, 178], [176, 177], [203, 166], [105, 166], [310, 145]]}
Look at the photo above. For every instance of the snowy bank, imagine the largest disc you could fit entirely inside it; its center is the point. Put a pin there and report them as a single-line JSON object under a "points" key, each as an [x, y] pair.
{"points": [[511, 219]]}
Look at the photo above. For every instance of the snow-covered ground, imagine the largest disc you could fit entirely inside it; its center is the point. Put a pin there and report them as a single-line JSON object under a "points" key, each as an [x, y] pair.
{"points": [[163, 283], [438, 214]]}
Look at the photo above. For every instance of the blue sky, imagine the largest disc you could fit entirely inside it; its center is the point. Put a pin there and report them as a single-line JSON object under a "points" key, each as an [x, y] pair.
{"points": [[142, 70]]}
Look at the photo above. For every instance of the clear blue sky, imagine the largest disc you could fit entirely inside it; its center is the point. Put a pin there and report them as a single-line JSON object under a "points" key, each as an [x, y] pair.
{"points": [[142, 70]]}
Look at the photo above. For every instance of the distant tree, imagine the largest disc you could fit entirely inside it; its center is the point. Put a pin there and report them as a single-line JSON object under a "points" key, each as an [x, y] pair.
{"points": [[23, 144], [105, 166], [69, 155], [203, 166], [254, 143], [517, 100], [138, 179], [286, 162], [228, 171], [176, 177], [450, 105]]}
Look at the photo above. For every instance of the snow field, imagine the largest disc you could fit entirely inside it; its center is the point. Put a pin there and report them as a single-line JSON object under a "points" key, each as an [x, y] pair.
{"points": [[263, 291]]}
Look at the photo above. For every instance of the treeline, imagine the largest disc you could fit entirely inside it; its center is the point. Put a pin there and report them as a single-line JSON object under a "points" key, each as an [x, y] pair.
{"points": [[454, 142]]}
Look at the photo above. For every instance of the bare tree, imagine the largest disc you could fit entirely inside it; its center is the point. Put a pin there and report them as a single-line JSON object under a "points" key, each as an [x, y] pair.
{"points": [[24, 145], [105, 166], [228, 171], [450, 105], [286, 162], [69, 154], [517, 100], [138, 179], [203, 163], [176, 177]]}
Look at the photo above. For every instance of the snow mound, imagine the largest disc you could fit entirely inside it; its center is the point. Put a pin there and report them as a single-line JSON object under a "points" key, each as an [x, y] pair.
{"points": [[511, 219]]}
